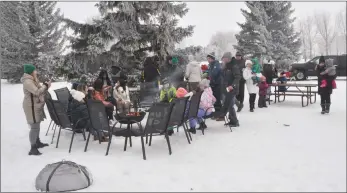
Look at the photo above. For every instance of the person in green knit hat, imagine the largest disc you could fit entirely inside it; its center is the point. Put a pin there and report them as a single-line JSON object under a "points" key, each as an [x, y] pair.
{"points": [[33, 106]]}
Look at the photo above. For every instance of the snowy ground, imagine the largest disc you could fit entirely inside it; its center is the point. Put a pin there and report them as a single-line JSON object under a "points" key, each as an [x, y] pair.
{"points": [[261, 155]]}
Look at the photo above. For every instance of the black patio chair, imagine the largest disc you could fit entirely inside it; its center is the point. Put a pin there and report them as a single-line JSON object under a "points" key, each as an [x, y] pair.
{"points": [[48, 98], [98, 120], [178, 114], [53, 115], [64, 96], [193, 110], [148, 94], [65, 123], [157, 123]]}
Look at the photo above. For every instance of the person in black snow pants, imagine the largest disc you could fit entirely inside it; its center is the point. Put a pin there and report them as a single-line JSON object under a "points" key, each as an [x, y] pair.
{"points": [[231, 78], [214, 72], [326, 91], [241, 96]]}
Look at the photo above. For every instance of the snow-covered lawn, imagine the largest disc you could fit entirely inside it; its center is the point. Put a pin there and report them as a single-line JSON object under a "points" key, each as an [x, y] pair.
{"points": [[261, 155]]}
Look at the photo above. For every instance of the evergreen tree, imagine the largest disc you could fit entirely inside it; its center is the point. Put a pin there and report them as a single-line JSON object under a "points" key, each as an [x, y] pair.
{"points": [[286, 42], [31, 32], [269, 31], [132, 30], [46, 27], [254, 39], [14, 40]]}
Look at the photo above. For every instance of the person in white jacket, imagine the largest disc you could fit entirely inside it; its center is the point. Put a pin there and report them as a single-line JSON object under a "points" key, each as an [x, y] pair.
{"points": [[121, 94], [193, 73], [251, 88]]}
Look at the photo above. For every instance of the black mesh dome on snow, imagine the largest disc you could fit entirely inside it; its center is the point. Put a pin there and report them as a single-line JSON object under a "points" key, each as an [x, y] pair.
{"points": [[63, 176]]}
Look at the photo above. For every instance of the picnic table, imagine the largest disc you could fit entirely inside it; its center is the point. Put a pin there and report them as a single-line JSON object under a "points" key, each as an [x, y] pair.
{"points": [[301, 90]]}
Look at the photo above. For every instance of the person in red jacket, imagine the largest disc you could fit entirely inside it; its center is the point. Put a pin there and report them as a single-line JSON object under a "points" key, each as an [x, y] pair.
{"points": [[262, 92]]}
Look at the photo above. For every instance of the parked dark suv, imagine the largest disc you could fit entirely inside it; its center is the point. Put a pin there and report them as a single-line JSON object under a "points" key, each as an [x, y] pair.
{"points": [[303, 70]]}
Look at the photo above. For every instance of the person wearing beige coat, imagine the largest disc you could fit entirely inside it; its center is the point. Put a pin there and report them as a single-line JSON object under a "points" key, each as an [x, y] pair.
{"points": [[33, 105]]}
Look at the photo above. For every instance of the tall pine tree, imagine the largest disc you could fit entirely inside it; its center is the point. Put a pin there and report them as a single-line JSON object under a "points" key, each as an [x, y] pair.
{"points": [[269, 31], [286, 42], [31, 32], [14, 40], [132, 30], [48, 30], [254, 39]]}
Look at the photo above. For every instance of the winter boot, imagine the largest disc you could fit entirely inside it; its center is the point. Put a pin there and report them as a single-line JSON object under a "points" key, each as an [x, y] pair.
{"points": [[170, 132], [39, 144], [192, 130], [323, 108], [239, 107], [34, 150], [327, 107], [251, 107], [233, 124]]}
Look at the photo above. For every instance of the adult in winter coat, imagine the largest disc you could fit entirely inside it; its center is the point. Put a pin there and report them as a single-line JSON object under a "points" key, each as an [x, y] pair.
{"points": [[173, 72], [193, 73], [231, 80], [33, 104], [251, 88], [240, 62], [99, 95], [78, 107], [150, 72], [324, 92], [214, 72]]}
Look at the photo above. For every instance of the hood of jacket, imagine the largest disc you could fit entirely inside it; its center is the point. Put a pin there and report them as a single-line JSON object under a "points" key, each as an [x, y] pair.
{"points": [[26, 77], [77, 95]]}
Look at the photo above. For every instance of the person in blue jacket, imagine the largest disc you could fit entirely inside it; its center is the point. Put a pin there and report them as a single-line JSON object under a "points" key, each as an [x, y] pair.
{"points": [[214, 72]]}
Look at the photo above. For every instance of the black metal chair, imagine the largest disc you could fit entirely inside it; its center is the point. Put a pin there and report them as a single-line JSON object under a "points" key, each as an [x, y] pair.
{"points": [[193, 110], [178, 114], [65, 123], [148, 94], [157, 123], [98, 120], [53, 115], [48, 98], [64, 96]]}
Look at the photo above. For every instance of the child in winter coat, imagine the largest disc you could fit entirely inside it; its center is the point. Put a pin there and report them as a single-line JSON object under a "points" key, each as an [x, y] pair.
{"points": [[262, 92], [251, 87], [330, 71], [205, 107], [256, 69], [168, 92], [282, 80]]}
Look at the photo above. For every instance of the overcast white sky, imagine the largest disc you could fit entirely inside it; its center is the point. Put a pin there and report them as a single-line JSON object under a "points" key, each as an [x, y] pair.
{"points": [[208, 17]]}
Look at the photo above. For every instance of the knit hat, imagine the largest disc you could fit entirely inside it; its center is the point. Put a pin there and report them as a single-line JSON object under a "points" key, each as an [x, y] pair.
{"points": [[322, 59], [227, 55], [174, 60], [329, 62], [181, 92], [248, 62], [211, 55], [238, 53], [29, 68]]}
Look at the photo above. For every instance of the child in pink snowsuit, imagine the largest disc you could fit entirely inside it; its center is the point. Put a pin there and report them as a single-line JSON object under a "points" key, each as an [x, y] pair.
{"points": [[206, 106]]}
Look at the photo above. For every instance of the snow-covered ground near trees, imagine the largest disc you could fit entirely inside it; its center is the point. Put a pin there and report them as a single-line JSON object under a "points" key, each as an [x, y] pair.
{"points": [[261, 155]]}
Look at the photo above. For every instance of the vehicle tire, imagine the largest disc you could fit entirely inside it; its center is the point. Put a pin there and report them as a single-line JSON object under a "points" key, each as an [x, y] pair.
{"points": [[300, 75]]}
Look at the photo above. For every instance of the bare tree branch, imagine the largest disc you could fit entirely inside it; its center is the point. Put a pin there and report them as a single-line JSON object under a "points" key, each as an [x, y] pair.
{"points": [[325, 30]]}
